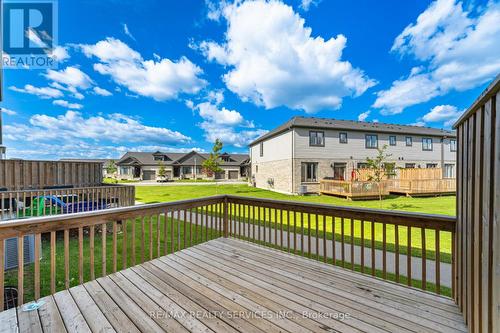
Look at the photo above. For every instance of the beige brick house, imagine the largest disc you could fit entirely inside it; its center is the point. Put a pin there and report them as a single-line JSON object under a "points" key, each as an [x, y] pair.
{"points": [[304, 150]]}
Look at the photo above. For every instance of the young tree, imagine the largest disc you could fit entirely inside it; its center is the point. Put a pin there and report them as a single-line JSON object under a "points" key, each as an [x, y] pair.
{"points": [[212, 164], [162, 171], [111, 168], [380, 168]]}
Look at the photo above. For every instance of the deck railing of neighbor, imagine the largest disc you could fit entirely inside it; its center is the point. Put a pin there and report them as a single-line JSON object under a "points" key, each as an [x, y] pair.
{"points": [[398, 246], [478, 211], [30, 203], [26, 174]]}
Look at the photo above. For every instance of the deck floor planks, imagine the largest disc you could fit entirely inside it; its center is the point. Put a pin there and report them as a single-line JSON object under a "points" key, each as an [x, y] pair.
{"points": [[255, 286], [195, 300], [325, 282], [8, 321], [250, 293], [386, 287], [71, 315], [226, 276], [50, 317], [90, 311], [320, 304], [29, 321]]}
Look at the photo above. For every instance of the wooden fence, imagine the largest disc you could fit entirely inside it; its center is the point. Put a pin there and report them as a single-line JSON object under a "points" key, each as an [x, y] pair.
{"points": [[353, 190], [404, 173], [26, 175], [478, 208]]}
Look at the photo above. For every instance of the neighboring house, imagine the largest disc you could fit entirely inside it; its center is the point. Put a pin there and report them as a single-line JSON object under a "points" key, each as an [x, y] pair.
{"points": [[305, 150], [104, 162], [145, 166]]}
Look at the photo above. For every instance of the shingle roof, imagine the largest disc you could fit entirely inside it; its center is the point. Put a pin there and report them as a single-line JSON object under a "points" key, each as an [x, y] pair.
{"points": [[324, 123], [147, 158]]}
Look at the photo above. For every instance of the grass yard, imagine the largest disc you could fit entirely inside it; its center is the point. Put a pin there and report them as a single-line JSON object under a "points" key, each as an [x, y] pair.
{"points": [[434, 205]]}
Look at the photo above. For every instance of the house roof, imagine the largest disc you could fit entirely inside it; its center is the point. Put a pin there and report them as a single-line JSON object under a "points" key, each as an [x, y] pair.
{"points": [[147, 158], [324, 123]]}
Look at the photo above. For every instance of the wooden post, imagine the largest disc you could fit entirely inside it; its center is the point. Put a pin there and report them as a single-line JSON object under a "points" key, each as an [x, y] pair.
{"points": [[225, 223]]}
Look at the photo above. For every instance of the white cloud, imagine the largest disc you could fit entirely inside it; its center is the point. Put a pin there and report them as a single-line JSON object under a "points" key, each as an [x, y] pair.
{"points": [[102, 92], [229, 135], [71, 77], [459, 48], [116, 128], [363, 116], [42, 92], [8, 111], [306, 4], [219, 116], [280, 63], [159, 79], [127, 32], [60, 53], [448, 114], [215, 9], [418, 124], [68, 105]]}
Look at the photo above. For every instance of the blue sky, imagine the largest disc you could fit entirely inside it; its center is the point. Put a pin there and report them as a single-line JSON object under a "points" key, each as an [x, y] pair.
{"points": [[175, 75]]}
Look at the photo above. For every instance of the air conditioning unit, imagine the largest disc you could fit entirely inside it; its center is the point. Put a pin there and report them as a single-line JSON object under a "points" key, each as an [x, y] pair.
{"points": [[10, 250], [302, 189]]}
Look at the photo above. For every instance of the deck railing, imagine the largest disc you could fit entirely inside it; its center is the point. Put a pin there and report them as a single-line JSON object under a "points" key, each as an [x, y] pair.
{"points": [[75, 248], [30, 203]]}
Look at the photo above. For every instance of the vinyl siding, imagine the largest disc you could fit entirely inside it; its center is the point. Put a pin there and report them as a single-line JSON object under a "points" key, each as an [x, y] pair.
{"points": [[356, 149]]}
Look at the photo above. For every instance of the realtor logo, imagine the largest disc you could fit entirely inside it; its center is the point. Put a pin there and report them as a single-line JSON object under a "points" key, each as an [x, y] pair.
{"points": [[29, 33]]}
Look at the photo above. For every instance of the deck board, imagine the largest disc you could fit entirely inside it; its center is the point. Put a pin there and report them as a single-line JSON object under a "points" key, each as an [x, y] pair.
{"points": [[227, 285]]}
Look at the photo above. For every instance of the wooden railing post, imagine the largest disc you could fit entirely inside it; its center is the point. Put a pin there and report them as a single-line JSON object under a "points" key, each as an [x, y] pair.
{"points": [[225, 224]]}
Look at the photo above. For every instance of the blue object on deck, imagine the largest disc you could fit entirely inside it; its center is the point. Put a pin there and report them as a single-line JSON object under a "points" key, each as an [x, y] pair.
{"points": [[74, 207]]}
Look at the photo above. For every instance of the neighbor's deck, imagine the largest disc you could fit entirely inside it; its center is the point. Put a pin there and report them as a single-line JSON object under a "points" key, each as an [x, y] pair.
{"points": [[228, 285]]}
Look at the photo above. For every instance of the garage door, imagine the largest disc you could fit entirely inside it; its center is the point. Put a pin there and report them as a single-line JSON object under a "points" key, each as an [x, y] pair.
{"points": [[233, 174], [149, 175], [220, 175]]}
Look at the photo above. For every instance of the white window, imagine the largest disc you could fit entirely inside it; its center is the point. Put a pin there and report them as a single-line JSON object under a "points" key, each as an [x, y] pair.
{"points": [[453, 145], [309, 172], [316, 138], [409, 141], [427, 144], [343, 137], [449, 171], [371, 141], [392, 140], [261, 149]]}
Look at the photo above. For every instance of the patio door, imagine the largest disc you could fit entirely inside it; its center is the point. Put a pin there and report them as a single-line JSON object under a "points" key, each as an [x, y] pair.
{"points": [[339, 170]]}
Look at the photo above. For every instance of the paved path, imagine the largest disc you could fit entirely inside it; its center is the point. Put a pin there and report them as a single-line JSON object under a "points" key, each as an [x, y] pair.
{"points": [[416, 263]]}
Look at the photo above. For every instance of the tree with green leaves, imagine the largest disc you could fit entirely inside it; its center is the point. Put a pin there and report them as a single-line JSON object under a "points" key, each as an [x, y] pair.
{"points": [[380, 167], [111, 168], [162, 171], [212, 164]]}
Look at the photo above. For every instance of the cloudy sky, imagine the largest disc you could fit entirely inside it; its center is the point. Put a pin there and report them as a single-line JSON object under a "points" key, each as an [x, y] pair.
{"points": [[175, 75]]}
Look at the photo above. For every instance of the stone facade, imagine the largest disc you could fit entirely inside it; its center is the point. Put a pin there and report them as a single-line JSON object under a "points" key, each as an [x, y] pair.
{"points": [[273, 175]]}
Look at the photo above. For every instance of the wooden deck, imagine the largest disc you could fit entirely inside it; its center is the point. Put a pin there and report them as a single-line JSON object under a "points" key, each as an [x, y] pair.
{"points": [[228, 285]]}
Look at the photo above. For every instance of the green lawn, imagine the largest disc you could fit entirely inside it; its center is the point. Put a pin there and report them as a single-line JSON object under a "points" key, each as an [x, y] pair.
{"points": [[434, 205]]}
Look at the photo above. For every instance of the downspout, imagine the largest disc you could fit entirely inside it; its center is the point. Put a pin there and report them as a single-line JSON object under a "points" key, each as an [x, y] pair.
{"points": [[442, 157]]}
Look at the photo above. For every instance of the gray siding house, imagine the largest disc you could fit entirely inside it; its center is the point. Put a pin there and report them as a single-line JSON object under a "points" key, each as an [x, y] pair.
{"points": [[303, 151], [145, 166]]}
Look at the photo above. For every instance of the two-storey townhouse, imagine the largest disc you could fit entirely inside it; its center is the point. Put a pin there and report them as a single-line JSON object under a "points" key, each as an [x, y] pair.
{"points": [[304, 150]]}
